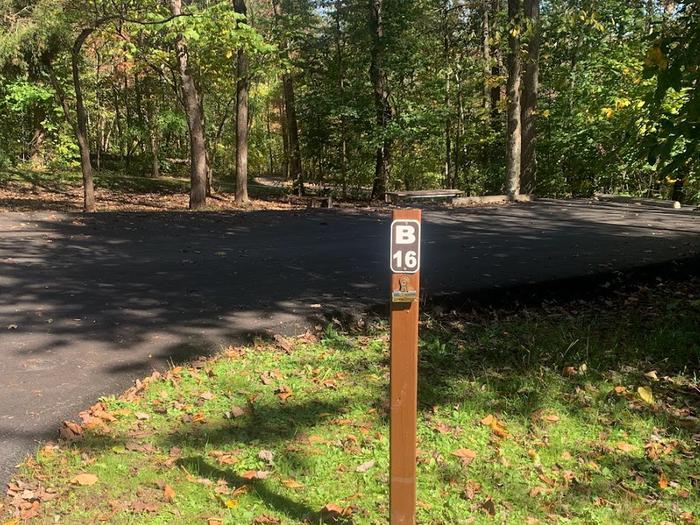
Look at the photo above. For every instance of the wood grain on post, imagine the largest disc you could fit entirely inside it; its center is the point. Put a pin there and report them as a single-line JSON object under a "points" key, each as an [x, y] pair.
{"points": [[404, 393]]}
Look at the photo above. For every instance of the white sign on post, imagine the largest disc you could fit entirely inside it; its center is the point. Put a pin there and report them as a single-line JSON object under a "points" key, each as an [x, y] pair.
{"points": [[405, 246]]}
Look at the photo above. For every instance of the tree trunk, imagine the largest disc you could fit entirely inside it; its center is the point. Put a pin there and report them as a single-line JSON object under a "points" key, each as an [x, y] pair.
{"points": [[449, 183], [81, 123], [295, 169], [513, 154], [285, 138], [242, 119], [381, 99], [341, 93], [496, 63], [529, 102], [195, 120], [486, 30]]}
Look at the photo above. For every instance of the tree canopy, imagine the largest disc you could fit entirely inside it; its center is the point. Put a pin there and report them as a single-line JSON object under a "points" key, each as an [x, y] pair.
{"points": [[359, 96]]}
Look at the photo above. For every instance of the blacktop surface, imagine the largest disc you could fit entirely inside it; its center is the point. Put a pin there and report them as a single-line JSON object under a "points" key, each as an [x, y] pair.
{"points": [[88, 303]]}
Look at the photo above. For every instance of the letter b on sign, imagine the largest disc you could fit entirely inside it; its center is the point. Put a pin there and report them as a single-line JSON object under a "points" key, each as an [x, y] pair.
{"points": [[405, 246]]}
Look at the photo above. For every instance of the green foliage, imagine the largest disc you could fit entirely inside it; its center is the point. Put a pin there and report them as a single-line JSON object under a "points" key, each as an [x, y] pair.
{"points": [[674, 59], [618, 88]]}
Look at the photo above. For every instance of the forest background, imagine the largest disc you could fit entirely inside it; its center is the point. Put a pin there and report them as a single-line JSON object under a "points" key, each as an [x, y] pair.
{"points": [[560, 98]]}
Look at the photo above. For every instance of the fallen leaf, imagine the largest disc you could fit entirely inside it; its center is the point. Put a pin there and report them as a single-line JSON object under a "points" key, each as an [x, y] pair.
{"points": [[624, 447], [236, 412], [646, 394], [144, 506], [471, 489], [331, 510], [292, 484], [539, 490], [663, 481], [207, 396], [255, 474], [569, 371], [168, 494], [465, 455], [142, 416], [284, 343], [84, 480], [284, 393], [652, 375], [265, 519], [489, 507], [366, 466], [71, 431], [266, 455], [496, 426], [215, 521]]}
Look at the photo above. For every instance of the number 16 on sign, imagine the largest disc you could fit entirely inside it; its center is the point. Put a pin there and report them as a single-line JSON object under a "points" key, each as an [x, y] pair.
{"points": [[404, 263]]}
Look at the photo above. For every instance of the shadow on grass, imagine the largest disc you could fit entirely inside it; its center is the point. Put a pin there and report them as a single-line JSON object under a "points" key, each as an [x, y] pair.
{"points": [[282, 504]]}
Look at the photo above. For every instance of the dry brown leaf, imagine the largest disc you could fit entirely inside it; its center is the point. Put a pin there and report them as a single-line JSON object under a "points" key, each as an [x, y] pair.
{"points": [[495, 425], [366, 466], [284, 343], [71, 431], [663, 481], [168, 494], [284, 393], [266, 455], [292, 484], [266, 519], [236, 412], [471, 489], [465, 455], [331, 510], [84, 480], [625, 447], [489, 507], [255, 474]]}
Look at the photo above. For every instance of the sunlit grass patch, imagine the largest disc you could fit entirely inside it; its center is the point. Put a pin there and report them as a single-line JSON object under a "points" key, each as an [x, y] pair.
{"points": [[576, 414]]}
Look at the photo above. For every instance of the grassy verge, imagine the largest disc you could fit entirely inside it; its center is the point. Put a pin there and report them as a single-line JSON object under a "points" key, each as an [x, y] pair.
{"points": [[581, 413]]}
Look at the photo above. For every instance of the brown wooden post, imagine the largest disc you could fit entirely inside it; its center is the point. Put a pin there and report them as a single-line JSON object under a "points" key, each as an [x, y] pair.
{"points": [[405, 293]]}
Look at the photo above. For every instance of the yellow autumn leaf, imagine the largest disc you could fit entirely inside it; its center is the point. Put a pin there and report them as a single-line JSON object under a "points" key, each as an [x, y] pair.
{"points": [[84, 480], [646, 394]]}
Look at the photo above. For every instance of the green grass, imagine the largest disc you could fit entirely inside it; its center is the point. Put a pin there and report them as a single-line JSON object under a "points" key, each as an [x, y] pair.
{"points": [[580, 446]]}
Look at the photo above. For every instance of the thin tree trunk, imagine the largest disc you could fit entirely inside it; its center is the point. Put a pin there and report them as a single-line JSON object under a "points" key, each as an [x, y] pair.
{"points": [[486, 30], [381, 99], [341, 92], [496, 66], [513, 154], [270, 156], [285, 139], [293, 150], [195, 120], [448, 181], [529, 102], [81, 124], [295, 169], [460, 127], [242, 119]]}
